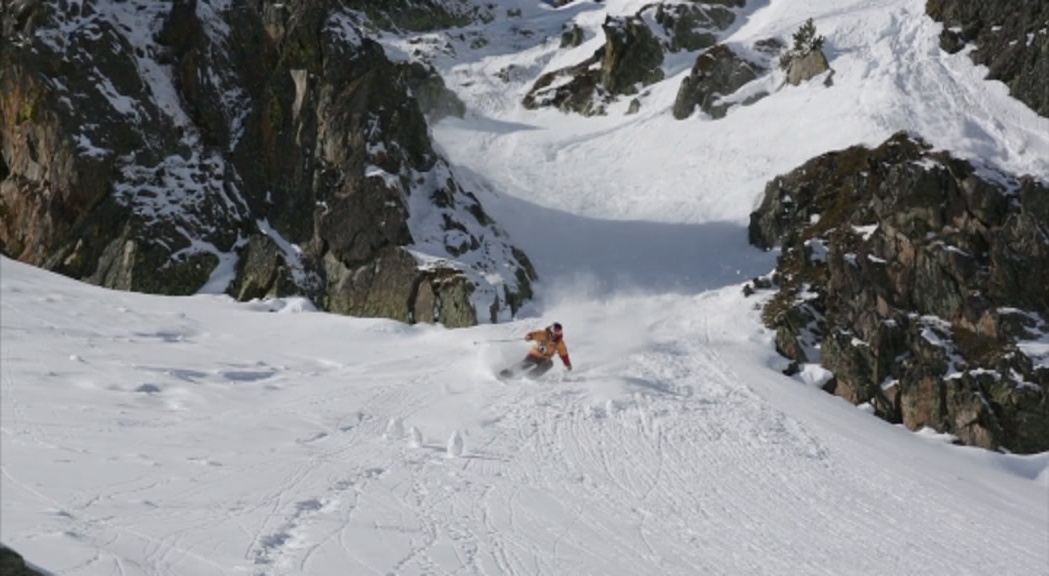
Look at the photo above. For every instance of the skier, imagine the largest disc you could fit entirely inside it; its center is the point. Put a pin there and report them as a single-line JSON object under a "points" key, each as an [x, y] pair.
{"points": [[548, 342]]}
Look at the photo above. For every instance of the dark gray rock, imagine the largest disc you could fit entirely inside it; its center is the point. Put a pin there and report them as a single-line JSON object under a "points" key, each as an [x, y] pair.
{"points": [[380, 287], [718, 72], [691, 27], [12, 564], [582, 93], [264, 271], [632, 56], [915, 278], [151, 161]]}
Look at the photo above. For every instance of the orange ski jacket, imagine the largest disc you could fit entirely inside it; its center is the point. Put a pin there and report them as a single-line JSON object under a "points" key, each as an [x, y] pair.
{"points": [[546, 346]]}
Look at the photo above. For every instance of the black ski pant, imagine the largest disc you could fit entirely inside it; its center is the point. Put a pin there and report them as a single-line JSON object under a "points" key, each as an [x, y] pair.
{"points": [[539, 366]]}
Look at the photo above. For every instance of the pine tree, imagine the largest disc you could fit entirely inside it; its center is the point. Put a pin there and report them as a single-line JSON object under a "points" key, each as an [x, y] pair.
{"points": [[806, 40]]}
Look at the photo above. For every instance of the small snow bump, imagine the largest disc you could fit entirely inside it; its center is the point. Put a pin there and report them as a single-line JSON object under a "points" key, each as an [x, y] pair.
{"points": [[814, 375], [394, 429], [455, 445]]}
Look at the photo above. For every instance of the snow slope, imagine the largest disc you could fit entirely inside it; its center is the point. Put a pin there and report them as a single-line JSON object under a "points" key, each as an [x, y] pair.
{"points": [[152, 435], [146, 435]]}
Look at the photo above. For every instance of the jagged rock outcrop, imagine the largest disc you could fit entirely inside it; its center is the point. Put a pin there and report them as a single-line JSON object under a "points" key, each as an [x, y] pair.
{"points": [[573, 89], [1010, 38], [632, 56], [690, 27], [180, 139], [717, 72], [920, 281]]}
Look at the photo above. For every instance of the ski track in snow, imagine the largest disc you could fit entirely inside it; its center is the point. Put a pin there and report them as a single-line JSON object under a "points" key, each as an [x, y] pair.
{"points": [[666, 460], [164, 436]]}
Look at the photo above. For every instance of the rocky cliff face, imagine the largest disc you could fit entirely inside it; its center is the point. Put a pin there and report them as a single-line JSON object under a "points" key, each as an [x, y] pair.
{"points": [[922, 283], [1010, 38], [259, 147]]}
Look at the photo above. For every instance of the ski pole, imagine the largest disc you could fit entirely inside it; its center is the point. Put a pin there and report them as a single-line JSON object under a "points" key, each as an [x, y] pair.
{"points": [[497, 340]]}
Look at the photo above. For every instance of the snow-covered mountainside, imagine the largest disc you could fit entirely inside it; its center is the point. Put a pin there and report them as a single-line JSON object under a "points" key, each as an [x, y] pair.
{"points": [[629, 195], [144, 434]]}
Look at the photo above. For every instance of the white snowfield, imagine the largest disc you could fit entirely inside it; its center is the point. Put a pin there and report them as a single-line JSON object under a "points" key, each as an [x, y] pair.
{"points": [[145, 435]]}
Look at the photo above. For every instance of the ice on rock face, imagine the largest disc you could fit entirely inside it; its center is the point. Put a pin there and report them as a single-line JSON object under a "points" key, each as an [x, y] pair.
{"points": [[455, 445]]}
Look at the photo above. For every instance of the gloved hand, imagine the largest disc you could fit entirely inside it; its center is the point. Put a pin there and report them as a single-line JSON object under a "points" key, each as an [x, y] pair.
{"points": [[528, 337]]}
